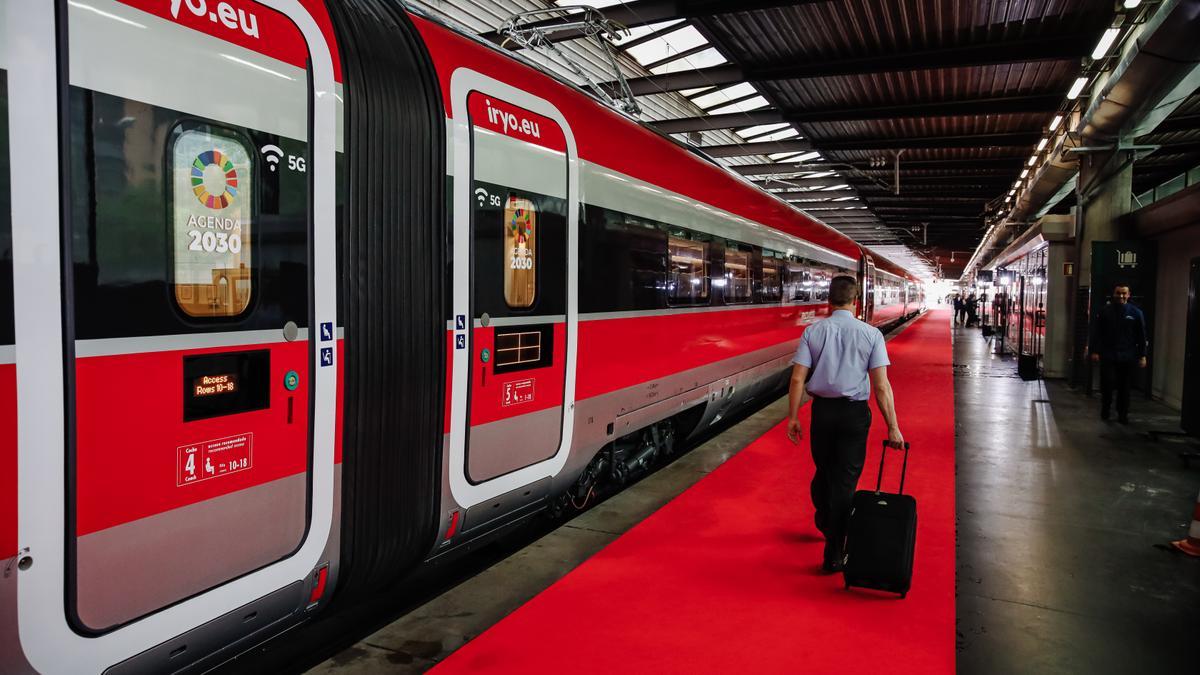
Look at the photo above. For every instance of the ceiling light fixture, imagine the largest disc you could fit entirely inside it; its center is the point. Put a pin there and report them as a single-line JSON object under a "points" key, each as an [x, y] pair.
{"points": [[1076, 88], [1055, 122], [1130, 4], [1032, 161], [1042, 144], [1024, 172], [1106, 42]]}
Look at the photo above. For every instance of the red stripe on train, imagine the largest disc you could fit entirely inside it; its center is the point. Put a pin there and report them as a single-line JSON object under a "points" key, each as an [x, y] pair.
{"points": [[619, 353], [8, 461]]}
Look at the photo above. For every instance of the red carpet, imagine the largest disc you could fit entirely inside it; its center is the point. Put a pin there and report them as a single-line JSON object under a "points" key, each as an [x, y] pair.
{"points": [[724, 578]]}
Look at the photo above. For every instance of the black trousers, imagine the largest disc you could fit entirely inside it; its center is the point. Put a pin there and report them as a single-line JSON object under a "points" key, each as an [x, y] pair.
{"points": [[1116, 376], [839, 447]]}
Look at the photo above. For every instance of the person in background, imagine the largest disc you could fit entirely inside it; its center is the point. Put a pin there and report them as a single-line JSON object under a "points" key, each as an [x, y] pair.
{"points": [[1118, 343], [847, 359], [972, 307], [958, 307]]}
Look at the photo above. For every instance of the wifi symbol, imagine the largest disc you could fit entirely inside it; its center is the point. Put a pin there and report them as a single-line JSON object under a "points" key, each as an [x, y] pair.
{"points": [[272, 154], [481, 196]]}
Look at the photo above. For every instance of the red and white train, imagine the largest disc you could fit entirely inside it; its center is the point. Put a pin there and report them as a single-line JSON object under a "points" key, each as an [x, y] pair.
{"points": [[296, 297]]}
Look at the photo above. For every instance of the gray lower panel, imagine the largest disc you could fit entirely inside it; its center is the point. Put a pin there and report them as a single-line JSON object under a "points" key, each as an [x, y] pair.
{"points": [[503, 446], [183, 651], [136, 568], [507, 503]]}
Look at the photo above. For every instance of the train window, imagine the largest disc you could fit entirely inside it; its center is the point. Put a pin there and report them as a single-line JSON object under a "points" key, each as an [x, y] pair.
{"points": [[737, 274], [212, 200], [799, 282], [772, 278], [687, 273], [821, 276], [520, 252]]}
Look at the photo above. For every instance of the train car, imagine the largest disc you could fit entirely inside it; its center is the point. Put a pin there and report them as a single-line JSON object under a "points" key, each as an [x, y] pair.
{"points": [[296, 298]]}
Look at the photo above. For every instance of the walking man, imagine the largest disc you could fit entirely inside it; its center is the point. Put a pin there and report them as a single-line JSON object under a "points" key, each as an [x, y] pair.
{"points": [[839, 362], [1118, 343]]}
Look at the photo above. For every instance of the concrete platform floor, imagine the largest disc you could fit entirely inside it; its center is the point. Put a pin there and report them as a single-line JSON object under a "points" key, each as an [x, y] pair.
{"points": [[419, 640], [1059, 516]]}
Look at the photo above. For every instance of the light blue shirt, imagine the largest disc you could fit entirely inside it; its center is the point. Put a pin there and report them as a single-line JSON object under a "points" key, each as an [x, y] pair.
{"points": [[841, 350]]}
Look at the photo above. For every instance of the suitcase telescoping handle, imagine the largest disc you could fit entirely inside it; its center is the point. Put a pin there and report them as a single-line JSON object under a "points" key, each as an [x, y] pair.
{"points": [[903, 469]]}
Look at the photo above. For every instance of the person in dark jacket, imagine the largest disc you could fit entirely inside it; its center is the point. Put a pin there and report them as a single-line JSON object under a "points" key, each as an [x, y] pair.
{"points": [[1118, 343], [958, 308]]}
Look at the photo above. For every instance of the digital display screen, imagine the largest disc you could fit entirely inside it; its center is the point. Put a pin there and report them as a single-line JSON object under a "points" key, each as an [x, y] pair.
{"points": [[226, 384], [210, 385]]}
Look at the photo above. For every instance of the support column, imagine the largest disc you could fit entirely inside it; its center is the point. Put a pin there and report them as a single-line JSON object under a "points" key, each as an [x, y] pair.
{"points": [[1105, 191], [1104, 194]]}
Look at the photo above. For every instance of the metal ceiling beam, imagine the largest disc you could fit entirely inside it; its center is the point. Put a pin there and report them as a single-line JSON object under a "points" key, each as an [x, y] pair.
{"points": [[950, 209], [982, 106], [934, 163], [929, 182], [827, 204], [1176, 123], [799, 183], [951, 195], [989, 165], [815, 194], [1047, 48], [1009, 139], [760, 148], [645, 12]]}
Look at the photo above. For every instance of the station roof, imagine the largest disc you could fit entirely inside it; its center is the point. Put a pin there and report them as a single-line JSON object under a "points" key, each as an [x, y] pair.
{"points": [[900, 123]]}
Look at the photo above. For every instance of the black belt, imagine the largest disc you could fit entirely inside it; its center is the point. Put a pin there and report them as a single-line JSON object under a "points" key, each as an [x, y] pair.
{"points": [[844, 399]]}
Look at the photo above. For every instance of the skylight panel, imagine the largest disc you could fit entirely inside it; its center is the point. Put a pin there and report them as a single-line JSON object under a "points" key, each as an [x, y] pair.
{"points": [[660, 48], [742, 106], [594, 3], [725, 95], [777, 136], [704, 59], [639, 32], [779, 156], [759, 129]]}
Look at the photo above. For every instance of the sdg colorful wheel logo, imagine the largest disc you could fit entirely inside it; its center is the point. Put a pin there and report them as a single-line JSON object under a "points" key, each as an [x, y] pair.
{"points": [[211, 168]]}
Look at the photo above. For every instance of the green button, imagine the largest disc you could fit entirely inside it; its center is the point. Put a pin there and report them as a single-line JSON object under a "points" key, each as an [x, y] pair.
{"points": [[485, 355], [291, 380]]}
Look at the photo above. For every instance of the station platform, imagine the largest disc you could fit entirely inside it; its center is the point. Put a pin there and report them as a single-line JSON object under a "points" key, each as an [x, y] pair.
{"points": [[1062, 526]]}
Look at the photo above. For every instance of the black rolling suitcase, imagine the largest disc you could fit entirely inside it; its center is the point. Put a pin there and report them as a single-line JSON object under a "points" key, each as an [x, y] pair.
{"points": [[881, 537]]}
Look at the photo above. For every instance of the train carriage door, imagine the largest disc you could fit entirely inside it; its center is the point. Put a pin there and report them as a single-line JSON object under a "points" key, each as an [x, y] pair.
{"points": [[176, 331], [513, 333], [868, 289]]}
